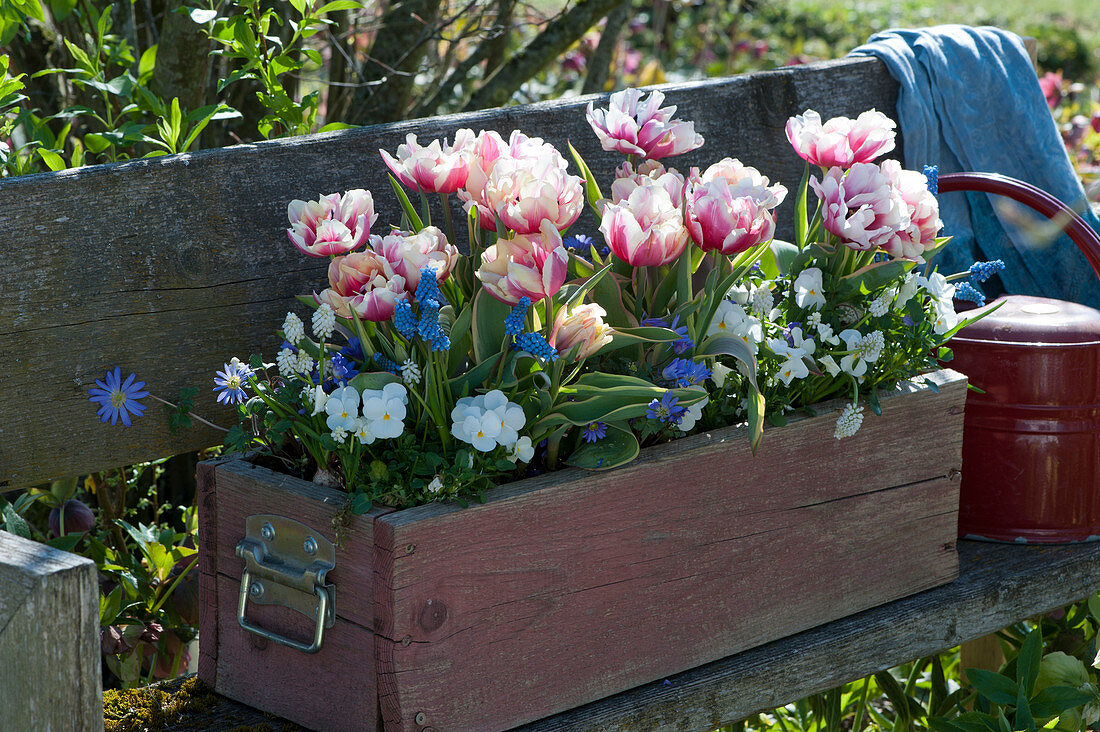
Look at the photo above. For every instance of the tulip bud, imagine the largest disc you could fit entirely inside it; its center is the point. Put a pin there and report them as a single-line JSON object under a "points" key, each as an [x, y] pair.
{"points": [[583, 326], [79, 518]]}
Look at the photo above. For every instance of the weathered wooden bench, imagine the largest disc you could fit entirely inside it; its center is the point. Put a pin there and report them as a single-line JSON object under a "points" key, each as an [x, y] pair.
{"points": [[169, 266]]}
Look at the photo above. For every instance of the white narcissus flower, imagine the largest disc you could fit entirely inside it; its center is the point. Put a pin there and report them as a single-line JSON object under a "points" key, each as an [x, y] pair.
{"points": [[808, 292], [342, 407]]}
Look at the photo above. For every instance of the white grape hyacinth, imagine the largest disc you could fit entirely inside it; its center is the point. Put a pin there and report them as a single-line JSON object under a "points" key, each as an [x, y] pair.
{"points": [[293, 329], [849, 421]]}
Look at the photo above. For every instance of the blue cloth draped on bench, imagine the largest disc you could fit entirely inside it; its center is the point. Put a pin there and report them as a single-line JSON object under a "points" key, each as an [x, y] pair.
{"points": [[969, 100]]}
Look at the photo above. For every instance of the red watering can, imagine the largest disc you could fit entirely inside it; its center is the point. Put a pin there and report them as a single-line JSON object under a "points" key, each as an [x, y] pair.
{"points": [[1031, 442]]}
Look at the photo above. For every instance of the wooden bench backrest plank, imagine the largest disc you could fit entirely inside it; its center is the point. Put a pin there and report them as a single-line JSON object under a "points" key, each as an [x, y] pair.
{"points": [[169, 266]]}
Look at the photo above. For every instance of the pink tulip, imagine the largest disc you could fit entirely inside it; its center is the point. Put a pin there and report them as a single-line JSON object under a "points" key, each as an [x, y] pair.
{"points": [[1051, 84], [583, 326], [365, 284], [525, 191], [533, 181], [627, 178], [918, 234], [526, 265], [434, 168], [646, 229], [718, 220], [333, 224], [746, 180], [409, 253], [841, 141], [635, 127], [861, 207]]}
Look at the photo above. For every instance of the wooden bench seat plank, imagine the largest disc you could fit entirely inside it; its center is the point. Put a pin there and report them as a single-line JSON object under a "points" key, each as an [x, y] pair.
{"points": [[999, 585]]}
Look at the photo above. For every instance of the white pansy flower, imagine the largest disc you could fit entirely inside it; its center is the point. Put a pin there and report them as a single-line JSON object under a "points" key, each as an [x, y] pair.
{"points": [[942, 293], [318, 398], [521, 450], [906, 290], [362, 432], [293, 328], [731, 318], [739, 293], [864, 349], [487, 420], [691, 416], [718, 374], [436, 485], [849, 421], [808, 292], [343, 409], [830, 364], [796, 352], [384, 410]]}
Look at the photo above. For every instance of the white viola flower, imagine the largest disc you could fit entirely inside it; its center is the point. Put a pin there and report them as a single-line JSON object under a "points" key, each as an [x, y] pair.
{"points": [[793, 368], [718, 374], [318, 398], [324, 321], [798, 344], [906, 291], [731, 318], [339, 434], [830, 365], [740, 293], [384, 410], [287, 361], [293, 329], [864, 349], [436, 485], [808, 292], [410, 372], [522, 450], [305, 363], [946, 317], [487, 420], [362, 432], [691, 416], [762, 300], [849, 421], [937, 287], [825, 333], [343, 408]]}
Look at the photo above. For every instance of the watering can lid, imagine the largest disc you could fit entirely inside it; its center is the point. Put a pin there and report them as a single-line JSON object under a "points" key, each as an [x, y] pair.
{"points": [[1026, 319]]}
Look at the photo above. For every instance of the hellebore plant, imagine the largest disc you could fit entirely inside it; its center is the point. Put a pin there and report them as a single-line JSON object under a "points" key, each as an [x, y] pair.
{"points": [[428, 374]]}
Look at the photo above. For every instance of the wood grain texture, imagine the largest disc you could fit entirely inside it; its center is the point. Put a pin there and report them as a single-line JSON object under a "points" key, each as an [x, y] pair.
{"points": [[333, 689], [628, 576], [49, 639], [998, 585], [169, 266]]}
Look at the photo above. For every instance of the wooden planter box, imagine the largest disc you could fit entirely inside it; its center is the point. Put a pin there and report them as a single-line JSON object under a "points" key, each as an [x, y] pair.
{"points": [[573, 586]]}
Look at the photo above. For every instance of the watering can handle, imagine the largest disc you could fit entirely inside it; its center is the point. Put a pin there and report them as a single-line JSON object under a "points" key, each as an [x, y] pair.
{"points": [[1083, 235]]}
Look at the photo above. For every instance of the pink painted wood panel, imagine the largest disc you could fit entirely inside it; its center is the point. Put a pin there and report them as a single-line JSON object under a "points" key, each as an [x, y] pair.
{"points": [[541, 600], [333, 689]]}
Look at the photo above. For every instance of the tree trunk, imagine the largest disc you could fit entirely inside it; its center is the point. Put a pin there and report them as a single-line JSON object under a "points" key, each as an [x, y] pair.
{"points": [[388, 73], [599, 67], [183, 59], [543, 50]]}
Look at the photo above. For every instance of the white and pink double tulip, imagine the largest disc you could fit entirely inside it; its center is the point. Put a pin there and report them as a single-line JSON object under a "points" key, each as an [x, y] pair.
{"points": [[582, 326], [435, 167], [918, 235], [646, 229], [746, 180], [525, 265], [841, 141], [635, 126], [525, 191], [333, 224], [364, 285], [409, 253], [719, 220], [861, 206], [649, 172]]}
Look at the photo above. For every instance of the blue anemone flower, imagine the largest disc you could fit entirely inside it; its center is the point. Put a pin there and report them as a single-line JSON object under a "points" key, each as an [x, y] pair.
{"points": [[666, 409], [230, 383], [118, 399], [594, 431]]}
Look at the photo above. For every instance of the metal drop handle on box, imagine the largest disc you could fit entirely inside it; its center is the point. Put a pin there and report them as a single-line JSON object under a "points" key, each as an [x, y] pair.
{"points": [[286, 563]]}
